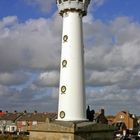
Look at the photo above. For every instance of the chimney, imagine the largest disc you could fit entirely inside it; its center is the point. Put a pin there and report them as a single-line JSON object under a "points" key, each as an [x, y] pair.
{"points": [[15, 111], [35, 112], [25, 111], [102, 111]]}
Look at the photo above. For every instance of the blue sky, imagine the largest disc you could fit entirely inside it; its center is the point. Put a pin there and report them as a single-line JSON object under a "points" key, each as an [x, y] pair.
{"points": [[30, 36], [114, 8], [22, 10], [109, 10]]}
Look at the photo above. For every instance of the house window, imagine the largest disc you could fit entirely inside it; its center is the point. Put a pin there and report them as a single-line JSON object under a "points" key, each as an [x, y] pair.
{"points": [[63, 89], [121, 117], [12, 129], [34, 122], [62, 114], [23, 122]]}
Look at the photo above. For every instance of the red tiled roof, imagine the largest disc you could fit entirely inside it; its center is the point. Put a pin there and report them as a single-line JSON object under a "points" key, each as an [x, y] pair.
{"points": [[40, 117], [2, 113], [10, 116]]}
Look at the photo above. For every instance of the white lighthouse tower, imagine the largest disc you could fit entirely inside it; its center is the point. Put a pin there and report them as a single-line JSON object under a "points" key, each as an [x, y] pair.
{"points": [[71, 106]]}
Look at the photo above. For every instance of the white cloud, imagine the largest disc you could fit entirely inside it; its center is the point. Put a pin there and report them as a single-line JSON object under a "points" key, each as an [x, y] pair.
{"points": [[3, 91], [13, 78], [112, 64], [111, 61], [48, 79], [44, 5], [49, 6], [99, 2], [113, 99], [109, 57], [35, 43], [95, 4], [9, 20]]}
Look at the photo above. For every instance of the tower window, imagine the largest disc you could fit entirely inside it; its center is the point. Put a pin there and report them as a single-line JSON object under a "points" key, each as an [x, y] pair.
{"points": [[62, 114], [65, 0], [80, 0], [63, 89], [65, 38], [64, 63]]}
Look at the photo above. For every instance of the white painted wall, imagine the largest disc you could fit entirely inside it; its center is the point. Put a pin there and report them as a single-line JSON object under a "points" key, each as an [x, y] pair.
{"points": [[72, 76]]}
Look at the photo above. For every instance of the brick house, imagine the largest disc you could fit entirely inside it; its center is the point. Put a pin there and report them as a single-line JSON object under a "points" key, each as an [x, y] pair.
{"points": [[110, 119], [27, 120], [125, 120], [2, 113], [100, 117], [13, 122], [8, 122]]}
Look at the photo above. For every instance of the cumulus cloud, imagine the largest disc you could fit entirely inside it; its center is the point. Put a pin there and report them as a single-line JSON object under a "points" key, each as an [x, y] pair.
{"points": [[35, 43], [49, 6], [111, 62], [30, 99], [13, 78], [109, 48], [49, 79], [26, 49], [99, 2], [44, 5], [10, 20], [113, 99], [95, 4]]}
